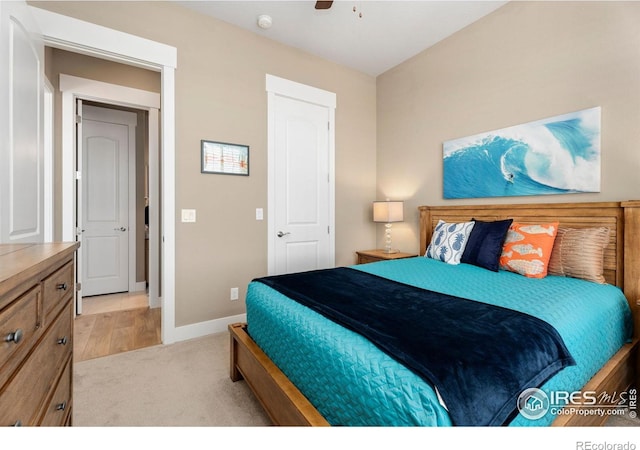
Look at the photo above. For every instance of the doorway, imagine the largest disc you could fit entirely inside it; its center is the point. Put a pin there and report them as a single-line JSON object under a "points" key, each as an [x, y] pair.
{"points": [[112, 155], [61, 31], [112, 193], [116, 97]]}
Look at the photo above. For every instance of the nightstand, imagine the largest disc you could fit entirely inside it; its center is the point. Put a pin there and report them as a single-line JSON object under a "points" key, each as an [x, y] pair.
{"points": [[368, 256]]}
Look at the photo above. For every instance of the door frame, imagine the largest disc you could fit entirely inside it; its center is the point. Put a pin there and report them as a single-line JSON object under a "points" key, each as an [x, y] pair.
{"points": [[78, 36], [277, 86], [49, 174], [74, 88]]}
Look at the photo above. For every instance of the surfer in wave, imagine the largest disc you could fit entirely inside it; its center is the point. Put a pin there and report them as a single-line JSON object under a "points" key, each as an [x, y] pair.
{"points": [[509, 177]]}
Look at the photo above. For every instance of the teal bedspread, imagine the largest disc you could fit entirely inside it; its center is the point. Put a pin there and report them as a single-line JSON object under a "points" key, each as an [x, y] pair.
{"points": [[351, 382]]}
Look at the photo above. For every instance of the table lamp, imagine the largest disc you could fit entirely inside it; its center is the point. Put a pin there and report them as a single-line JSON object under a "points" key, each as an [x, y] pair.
{"points": [[387, 213]]}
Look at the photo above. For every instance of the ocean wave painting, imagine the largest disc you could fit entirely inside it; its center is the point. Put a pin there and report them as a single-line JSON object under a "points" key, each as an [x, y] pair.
{"points": [[558, 155]]}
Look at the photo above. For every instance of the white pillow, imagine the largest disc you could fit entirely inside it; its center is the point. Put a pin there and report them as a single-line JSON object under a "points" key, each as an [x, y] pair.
{"points": [[448, 241]]}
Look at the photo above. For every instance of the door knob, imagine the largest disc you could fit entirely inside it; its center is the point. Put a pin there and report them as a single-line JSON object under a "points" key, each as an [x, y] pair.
{"points": [[120, 229], [280, 233]]}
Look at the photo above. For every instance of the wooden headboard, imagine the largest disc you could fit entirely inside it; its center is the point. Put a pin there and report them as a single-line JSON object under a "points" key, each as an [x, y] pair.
{"points": [[622, 255]]}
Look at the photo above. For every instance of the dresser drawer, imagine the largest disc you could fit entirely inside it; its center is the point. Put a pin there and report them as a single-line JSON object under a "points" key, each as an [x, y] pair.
{"points": [[55, 287], [21, 399], [19, 330], [60, 404]]}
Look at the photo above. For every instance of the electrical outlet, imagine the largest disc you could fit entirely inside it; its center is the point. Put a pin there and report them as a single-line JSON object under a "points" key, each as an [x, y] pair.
{"points": [[234, 293]]}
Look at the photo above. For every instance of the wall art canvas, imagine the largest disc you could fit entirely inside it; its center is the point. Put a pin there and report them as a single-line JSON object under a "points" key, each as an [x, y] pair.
{"points": [[558, 155]]}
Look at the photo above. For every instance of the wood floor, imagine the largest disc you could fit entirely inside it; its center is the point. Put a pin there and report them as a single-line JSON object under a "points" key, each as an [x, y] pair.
{"points": [[107, 333]]}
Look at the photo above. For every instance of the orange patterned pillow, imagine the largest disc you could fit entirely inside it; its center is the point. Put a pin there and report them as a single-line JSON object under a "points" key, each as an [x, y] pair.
{"points": [[527, 248]]}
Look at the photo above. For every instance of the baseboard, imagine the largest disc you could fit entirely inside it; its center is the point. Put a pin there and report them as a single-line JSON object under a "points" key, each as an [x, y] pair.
{"points": [[200, 329]]}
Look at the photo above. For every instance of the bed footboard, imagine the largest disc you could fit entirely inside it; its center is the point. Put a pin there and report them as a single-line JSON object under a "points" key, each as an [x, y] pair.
{"points": [[286, 405], [619, 374], [282, 401]]}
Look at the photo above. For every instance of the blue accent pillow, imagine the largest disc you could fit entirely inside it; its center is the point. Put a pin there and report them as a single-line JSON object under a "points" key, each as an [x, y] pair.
{"points": [[448, 241], [485, 244]]}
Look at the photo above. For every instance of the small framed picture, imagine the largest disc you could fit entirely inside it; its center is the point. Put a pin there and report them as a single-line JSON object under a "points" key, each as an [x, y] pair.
{"points": [[224, 158]]}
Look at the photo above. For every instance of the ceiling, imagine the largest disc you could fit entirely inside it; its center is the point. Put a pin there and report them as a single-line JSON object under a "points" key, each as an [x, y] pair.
{"points": [[375, 37]]}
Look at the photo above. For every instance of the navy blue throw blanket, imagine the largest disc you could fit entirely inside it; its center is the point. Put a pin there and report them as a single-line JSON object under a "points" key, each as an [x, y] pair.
{"points": [[480, 357]]}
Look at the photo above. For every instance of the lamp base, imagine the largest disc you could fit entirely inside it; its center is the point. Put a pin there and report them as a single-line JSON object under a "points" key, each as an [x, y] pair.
{"points": [[387, 240]]}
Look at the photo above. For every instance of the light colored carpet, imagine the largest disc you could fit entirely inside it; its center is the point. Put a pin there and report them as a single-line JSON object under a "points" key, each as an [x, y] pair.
{"points": [[182, 384]]}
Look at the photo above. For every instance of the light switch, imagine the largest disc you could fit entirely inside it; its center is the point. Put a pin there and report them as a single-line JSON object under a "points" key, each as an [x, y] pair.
{"points": [[188, 215], [259, 214]]}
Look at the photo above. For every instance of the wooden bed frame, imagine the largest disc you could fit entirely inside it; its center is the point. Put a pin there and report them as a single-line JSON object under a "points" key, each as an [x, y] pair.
{"points": [[286, 405]]}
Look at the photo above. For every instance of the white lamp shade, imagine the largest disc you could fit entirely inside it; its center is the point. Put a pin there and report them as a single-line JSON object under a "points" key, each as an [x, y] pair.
{"points": [[388, 212]]}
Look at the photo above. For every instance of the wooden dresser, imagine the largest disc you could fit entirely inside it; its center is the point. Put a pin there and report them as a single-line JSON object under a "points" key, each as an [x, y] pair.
{"points": [[36, 333]]}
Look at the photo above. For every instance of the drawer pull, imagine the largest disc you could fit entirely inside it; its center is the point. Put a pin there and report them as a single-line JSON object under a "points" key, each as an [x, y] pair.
{"points": [[18, 423], [61, 406], [15, 337], [62, 341], [61, 286]]}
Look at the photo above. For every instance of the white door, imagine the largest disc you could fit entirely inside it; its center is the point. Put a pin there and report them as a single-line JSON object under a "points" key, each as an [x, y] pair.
{"points": [[21, 126], [106, 140], [302, 206]]}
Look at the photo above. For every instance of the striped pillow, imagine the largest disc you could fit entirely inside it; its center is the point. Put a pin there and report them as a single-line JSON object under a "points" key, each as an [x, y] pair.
{"points": [[579, 253]]}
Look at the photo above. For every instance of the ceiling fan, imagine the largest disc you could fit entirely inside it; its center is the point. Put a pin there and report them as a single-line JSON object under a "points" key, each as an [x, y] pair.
{"points": [[323, 5]]}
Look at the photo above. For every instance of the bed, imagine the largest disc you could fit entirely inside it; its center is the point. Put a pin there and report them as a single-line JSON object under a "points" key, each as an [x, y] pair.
{"points": [[282, 396]]}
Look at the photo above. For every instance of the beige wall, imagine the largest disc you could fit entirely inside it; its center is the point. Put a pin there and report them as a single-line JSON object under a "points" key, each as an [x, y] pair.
{"points": [[220, 95], [527, 61]]}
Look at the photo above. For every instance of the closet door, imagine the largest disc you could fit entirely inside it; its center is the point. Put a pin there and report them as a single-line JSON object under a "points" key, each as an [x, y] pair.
{"points": [[21, 126]]}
